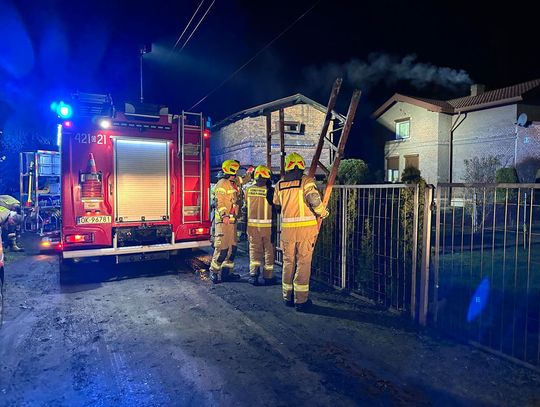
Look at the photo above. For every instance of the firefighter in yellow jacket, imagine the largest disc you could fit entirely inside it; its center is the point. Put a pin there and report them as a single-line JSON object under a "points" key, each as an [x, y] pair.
{"points": [[11, 230], [259, 202], [227, 195], [300, 202]]}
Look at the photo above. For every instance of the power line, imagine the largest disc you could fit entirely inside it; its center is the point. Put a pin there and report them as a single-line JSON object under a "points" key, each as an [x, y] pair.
{"points": [[255, 56], [197, 26], [187, 26]]}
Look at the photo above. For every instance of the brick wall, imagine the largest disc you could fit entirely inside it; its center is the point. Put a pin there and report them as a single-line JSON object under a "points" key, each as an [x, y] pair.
{"points": [[484, 133], [245, 139]]}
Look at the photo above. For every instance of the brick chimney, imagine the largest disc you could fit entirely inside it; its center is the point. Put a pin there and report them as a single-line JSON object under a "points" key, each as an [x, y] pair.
{"points": [[477, 89]]}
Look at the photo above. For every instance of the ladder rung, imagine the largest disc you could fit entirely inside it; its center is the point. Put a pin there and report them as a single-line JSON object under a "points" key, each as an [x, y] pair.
{"points": [[198, 191], [331, 145], [337, 129], [326, 170]]}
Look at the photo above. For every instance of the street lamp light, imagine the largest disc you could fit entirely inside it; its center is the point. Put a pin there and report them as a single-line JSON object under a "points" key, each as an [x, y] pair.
{"points": [[144, 49]]}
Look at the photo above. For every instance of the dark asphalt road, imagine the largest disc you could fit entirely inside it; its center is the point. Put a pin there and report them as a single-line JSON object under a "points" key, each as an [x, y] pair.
{"points": [[158, 335]]}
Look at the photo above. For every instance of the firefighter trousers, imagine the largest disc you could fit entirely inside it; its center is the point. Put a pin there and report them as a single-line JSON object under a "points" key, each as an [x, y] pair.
{"points": [[261, 253], [297, 257], [225, 245]]}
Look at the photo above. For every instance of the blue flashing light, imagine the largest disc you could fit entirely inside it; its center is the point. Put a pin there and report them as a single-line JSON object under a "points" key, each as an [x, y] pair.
{"points": [[63, 110]]}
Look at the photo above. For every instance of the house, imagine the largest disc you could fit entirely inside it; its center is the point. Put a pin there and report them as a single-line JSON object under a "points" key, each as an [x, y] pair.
{"points": [[243, 135], [436, 136]]}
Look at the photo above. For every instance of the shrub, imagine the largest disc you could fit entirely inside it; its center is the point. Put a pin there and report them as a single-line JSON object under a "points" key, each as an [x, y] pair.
{"points": [[506, 175], [353, 172], [528, 169], [481, 170], [411, 175]]}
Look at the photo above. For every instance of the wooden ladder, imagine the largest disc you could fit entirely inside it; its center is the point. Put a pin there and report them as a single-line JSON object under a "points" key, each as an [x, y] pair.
{"points": [[324, 139]]}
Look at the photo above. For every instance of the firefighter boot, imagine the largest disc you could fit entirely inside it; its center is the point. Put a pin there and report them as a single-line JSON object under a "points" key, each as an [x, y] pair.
{"points": [[304, 307], [228, 275], [215, 278], [13, 243], [270, 281], [254, 277], [288, 303]]}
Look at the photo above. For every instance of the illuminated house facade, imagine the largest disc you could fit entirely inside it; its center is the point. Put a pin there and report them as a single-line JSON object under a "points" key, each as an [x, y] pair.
{"points": [[436, 136]]}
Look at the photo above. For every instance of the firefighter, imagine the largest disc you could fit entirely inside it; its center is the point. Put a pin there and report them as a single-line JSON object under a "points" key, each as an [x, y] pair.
{"points": [[9, 220], [259, 205], [241, 181], [300, 202], [13, 204], [11, 230], [227, 195]]}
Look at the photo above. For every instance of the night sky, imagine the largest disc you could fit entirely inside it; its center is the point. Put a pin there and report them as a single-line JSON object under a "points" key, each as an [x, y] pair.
{"points": [[435, 49]]}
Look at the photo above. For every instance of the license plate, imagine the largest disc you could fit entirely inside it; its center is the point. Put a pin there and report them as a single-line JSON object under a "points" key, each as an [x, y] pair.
{"points": [[86, 220]]}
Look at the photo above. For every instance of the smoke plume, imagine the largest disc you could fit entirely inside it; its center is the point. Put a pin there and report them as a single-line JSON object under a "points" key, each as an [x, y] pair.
{"points": [[380, 68]]}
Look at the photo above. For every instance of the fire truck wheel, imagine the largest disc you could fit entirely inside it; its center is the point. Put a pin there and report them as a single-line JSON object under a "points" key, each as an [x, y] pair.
{"points": [[68, 272]]}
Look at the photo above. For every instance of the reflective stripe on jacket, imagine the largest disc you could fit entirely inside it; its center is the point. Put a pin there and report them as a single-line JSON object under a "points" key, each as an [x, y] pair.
{"points": [[259, 211], [226, 194], [297, 218]]}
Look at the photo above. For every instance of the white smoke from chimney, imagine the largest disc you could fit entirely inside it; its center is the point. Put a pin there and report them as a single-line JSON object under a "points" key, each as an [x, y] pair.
{"points": [[389, 69]]}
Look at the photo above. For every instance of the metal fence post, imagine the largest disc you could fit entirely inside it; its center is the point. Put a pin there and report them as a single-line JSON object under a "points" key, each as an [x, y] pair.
{"points": [[437, 247], [414, 251], [344, 202], [426, 252]]}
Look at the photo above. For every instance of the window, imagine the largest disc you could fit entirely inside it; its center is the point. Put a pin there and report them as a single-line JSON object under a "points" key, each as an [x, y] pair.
{"points": [[293, 127], [412, 161], [392, 169], [403, 128]]}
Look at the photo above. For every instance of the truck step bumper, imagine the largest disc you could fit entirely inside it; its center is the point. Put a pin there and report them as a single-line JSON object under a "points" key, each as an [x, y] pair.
{"points": [[119, 251]]}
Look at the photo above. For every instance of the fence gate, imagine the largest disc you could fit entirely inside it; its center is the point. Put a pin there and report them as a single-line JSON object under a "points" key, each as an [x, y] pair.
{"points": [[369, 244]]}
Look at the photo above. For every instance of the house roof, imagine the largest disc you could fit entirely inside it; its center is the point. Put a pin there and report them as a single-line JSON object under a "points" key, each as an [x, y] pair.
{"points": [[273, 106], [491, 98]]}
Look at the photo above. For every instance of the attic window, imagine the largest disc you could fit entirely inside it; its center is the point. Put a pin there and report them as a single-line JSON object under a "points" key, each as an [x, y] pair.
{"points": [[403, 128], [293, 127]]}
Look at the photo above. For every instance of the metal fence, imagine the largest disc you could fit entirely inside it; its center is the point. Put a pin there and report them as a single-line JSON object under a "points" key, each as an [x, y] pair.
{"points": [[369, 244], [486, 266], [464, 258]]}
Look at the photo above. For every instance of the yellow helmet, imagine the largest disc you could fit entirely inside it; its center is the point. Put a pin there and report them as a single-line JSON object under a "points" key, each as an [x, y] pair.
{"points": [[262, 171], [294, 160], [230, 167]]}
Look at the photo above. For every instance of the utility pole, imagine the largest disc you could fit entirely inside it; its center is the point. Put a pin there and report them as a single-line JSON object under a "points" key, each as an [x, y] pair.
{"points": [[145, 49]]}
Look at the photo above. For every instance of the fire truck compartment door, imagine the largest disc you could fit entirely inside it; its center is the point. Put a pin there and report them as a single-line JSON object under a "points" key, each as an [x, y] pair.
{"points": [[141, 180]]}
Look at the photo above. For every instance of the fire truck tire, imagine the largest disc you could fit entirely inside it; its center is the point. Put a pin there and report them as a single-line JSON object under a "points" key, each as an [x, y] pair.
{"points": [[69, 272]]}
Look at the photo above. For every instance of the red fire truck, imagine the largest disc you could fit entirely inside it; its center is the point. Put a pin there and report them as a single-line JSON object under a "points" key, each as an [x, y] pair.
{"points": [[135, 184]]}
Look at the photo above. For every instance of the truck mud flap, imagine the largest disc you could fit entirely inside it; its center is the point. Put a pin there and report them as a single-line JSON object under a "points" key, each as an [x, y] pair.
{"points": [[138, 257]]}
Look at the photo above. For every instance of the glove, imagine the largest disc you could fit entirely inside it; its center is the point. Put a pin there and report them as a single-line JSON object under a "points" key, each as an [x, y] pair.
{"points": [[250, 169], [325, 214]]}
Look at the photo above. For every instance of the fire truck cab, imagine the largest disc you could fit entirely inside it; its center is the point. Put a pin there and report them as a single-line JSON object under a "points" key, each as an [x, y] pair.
{"points": [[135, 183]]}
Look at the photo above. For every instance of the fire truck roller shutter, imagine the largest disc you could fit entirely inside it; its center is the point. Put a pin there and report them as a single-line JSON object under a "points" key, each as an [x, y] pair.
{"points": [[142, 180]]}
